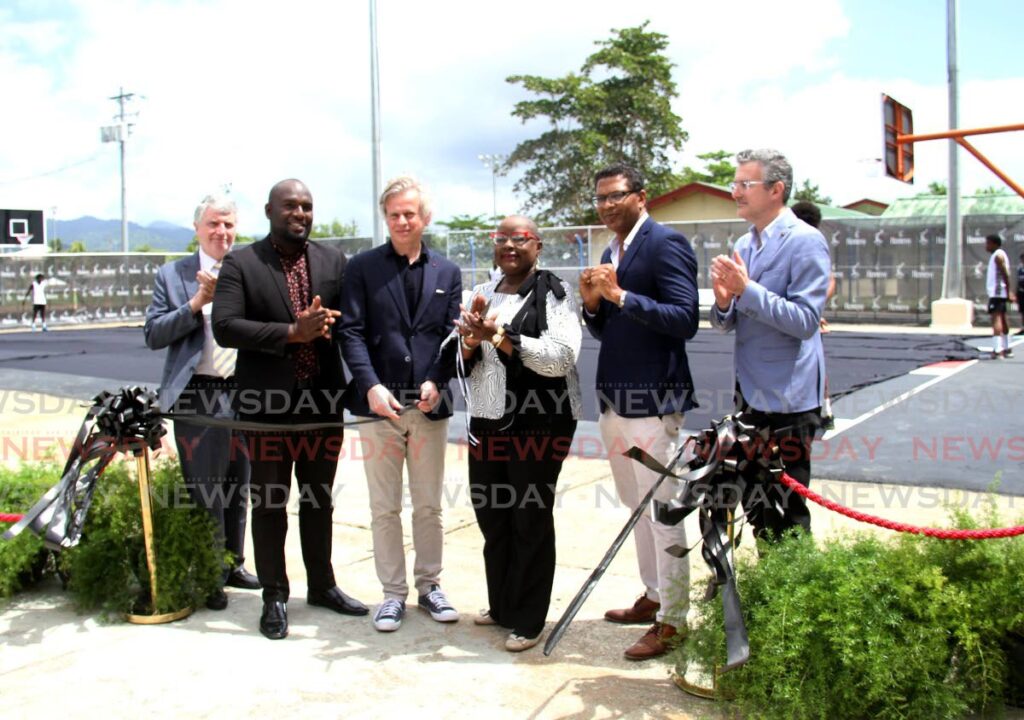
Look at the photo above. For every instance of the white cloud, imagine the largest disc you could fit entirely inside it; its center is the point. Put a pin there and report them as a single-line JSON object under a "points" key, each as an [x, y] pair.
{"points": [[248, 93]]}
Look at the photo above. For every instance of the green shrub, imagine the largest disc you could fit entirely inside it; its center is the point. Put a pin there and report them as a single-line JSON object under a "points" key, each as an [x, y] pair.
{"points": [[108, 569], [22, 559], [858, 627]]}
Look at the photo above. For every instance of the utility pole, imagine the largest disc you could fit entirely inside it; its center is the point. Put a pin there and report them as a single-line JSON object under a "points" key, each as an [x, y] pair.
{"points": [[952, 276], [119, 133]]}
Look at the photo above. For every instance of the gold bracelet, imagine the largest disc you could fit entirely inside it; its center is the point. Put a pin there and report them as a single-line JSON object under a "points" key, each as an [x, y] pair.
{"points": [[498, 337], [467, 346]]}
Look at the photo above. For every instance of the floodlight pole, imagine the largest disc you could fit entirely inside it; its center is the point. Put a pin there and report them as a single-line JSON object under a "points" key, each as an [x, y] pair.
{"points": [[494, 162], [378, 235], [952, 274], [122, 138]]}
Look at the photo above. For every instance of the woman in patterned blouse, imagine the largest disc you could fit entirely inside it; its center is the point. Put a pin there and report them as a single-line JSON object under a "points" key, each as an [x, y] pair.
{"points": [[520, 341]]}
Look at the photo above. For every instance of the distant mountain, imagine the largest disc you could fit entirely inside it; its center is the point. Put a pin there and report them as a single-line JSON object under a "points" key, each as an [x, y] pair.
{"points": [[105, 235]]}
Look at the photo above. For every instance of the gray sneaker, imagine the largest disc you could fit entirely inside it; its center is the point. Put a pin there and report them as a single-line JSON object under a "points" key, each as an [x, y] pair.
{"points": [[388, 617]]}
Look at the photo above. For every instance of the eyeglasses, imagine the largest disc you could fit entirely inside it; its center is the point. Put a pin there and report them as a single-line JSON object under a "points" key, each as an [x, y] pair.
{"points": [[747, 184], [611, 198], [519, 239]]}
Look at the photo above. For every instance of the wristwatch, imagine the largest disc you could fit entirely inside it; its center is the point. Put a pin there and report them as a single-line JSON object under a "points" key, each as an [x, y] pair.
{"points": [[622, 299], [498, 337]]}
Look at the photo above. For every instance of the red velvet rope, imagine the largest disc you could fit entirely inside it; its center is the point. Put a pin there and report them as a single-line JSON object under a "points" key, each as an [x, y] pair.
{"points": [[8, 517], [940, 533]]}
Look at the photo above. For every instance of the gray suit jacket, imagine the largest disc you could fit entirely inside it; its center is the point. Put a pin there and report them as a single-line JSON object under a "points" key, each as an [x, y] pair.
{"points": [[171, 324], [780, 362]]}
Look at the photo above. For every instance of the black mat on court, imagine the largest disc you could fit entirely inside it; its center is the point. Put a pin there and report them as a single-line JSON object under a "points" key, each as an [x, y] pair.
{"points": [[854, 360]]}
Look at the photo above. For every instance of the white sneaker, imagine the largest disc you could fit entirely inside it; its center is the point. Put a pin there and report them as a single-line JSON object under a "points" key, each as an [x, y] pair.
{"points": [[436, 603], [518, 643], [388, 617]]}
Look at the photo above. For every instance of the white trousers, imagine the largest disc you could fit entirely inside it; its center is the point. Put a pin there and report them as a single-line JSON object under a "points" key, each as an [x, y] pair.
{"points": [[665, 577]]}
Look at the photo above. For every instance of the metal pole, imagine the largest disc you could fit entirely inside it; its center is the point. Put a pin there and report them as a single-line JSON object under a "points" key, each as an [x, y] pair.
{"points": [[952, 273], [124, 189], [378, 235], [494, 192]]}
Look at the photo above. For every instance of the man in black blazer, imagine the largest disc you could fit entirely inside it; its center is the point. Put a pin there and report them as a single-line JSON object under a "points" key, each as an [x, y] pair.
{"points": [[398, 305], [276, 302], [641, 303]]}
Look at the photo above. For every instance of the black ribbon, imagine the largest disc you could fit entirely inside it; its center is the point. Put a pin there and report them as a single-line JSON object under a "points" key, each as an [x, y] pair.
{"points": [[116, 422], [713, 488]]}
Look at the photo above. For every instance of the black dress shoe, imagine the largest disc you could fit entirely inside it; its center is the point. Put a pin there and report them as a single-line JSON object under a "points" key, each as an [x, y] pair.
{"points": [[217, 600], [242, 578], [274, 620], [336, 600]]}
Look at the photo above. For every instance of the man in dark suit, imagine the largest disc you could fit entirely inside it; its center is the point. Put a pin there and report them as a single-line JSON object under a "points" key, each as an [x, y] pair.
{"points": [[398, 304], [276, 302], [641, 303], [197, 372]]}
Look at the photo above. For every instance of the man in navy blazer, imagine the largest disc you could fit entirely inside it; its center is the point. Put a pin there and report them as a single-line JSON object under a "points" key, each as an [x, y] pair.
{"points": [[398, 305], [772, 292], [641, 303], [196, 373]]}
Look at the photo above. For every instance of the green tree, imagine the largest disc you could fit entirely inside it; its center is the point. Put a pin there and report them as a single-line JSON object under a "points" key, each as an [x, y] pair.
{"points": [[77, 247], [617, 108], [334, 229], [718, 169], [934, 188], [810, 193], [991, 190], [469, 222]]}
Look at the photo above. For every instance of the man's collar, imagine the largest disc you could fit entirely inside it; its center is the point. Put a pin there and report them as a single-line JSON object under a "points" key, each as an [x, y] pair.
{"points": [[423, 256], [773, 228], [206, 262], [632, 233]]}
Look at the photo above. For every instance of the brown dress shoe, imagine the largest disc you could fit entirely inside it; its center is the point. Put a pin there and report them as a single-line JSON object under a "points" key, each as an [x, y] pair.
{"points": [[657, 641], [642, 612]]}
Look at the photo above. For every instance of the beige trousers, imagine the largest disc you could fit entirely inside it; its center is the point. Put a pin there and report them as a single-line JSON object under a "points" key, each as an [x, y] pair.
{"points": [[417, 444]]}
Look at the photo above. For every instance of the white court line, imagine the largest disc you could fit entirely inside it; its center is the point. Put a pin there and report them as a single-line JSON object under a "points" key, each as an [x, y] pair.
{"points": [[842, 425]]}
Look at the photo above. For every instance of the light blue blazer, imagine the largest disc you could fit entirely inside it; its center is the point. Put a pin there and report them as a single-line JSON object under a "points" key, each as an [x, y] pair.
{"points": [[780, 363]]}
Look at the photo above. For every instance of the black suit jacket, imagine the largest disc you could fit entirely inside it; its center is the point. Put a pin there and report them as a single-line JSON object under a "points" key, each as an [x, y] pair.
{"points": [[383, 344], [252, 312]]}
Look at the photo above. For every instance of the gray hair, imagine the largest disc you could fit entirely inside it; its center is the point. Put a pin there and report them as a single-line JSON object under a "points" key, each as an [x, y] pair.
{"points": [[219, 203], [398, 185], [775, 166]]}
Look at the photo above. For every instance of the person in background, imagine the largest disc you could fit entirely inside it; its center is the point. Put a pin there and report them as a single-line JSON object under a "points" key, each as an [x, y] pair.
{"points": [[997, 284], [37, 291]]}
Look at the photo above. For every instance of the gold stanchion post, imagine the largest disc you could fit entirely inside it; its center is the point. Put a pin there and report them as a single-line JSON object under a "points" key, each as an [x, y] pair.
{"points": [[146, 503]]}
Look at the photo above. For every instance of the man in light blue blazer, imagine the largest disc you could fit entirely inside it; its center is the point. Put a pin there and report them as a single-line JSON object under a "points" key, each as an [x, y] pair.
{"points": [[772, 292], [196, 374]]}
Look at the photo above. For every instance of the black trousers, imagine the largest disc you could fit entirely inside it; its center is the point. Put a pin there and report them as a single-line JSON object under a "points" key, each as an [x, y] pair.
{"points": [[215, 465], [771, 507], [314, 458], [512, 478]]}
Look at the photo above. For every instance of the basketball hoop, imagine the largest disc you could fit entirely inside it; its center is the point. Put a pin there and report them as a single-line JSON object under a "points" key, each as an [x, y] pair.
{"points": [[23, 238]]}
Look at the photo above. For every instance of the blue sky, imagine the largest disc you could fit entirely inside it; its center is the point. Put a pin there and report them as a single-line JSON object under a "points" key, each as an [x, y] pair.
{"points": [[246, 92]]}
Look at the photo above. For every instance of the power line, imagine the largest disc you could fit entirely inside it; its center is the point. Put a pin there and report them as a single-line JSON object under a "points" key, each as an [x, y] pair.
{"points": [[51, 172]]}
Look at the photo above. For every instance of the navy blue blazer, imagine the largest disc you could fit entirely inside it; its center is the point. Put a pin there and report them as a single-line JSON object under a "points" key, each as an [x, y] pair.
{"points": [[379, 340], [642, 370]]}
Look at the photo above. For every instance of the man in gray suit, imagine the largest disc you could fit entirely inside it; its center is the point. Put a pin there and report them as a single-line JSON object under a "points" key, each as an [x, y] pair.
{"points": [[197, 373], [772, 292]]}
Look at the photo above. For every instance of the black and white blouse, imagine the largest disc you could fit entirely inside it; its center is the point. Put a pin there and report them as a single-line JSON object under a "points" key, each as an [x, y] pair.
{"points": [[553, 354]]}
